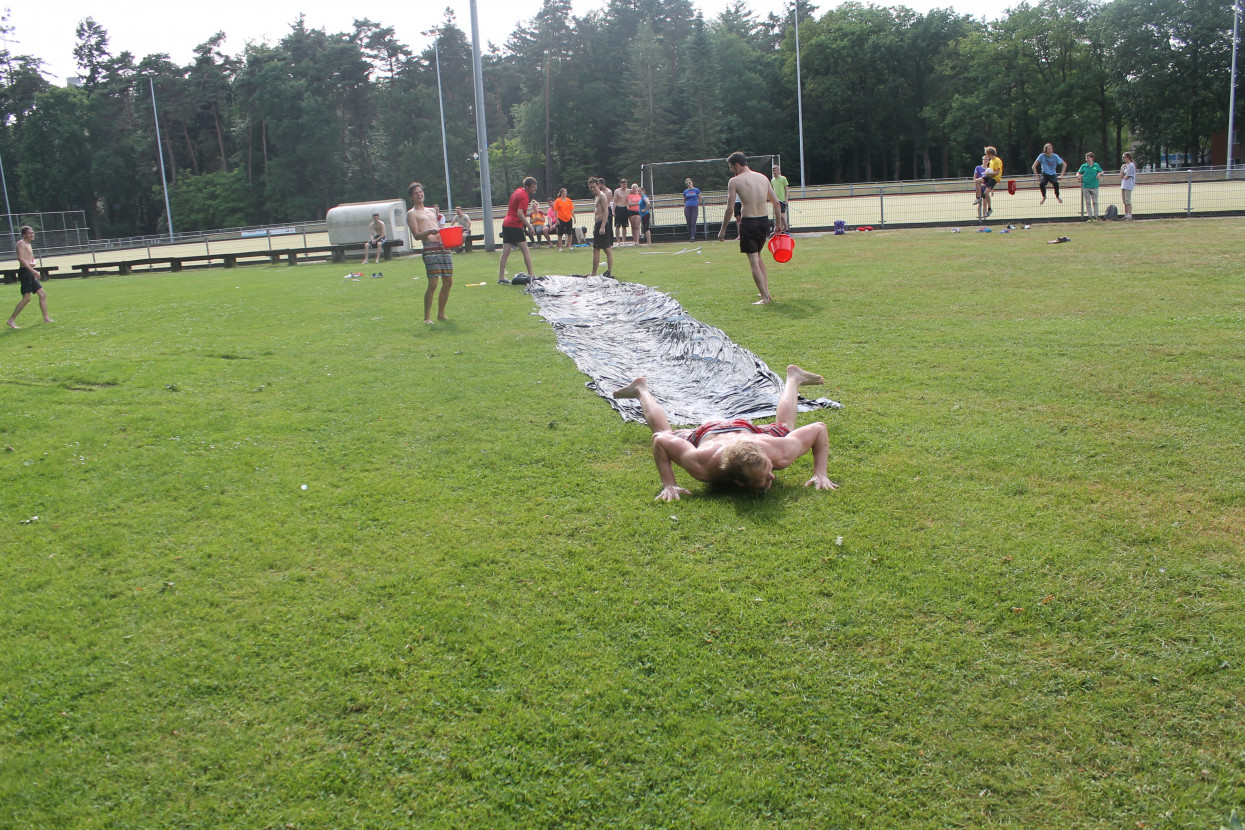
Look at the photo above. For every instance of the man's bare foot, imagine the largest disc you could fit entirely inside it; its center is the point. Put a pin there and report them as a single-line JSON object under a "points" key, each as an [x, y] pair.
{"points": [[48, 320], [800, 377], [442, 317], [429, 322], [13, 325], [633, 389], [763, 301]]}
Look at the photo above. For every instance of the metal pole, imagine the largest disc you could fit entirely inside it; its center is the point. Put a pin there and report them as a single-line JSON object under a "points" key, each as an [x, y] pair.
{"points": [[548, 155], [168, 211], [9, 211], [445, 152], [1189, 203], [799, 93], [1236, 17], [486, 186]]}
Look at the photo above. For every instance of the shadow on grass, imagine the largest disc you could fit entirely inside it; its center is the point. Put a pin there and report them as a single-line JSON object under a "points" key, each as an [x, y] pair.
{"points": [[756, 504], [438, 327], [799, 308]]}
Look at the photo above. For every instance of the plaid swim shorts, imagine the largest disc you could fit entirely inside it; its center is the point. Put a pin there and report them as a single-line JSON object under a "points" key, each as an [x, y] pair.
{"points": [[438, 262]]}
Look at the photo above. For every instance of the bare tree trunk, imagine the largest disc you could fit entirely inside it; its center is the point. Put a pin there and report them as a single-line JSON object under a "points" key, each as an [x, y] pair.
{"points": [[220, 138], [194, 162], [168, 142]]}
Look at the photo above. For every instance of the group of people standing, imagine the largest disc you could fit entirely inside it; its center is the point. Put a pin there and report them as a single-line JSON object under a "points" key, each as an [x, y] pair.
{"points": [[1048, 167], [749, 197]]}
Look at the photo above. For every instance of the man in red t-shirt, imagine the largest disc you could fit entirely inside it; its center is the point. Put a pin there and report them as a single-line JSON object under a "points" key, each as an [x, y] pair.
{"points": [[513, 227]]}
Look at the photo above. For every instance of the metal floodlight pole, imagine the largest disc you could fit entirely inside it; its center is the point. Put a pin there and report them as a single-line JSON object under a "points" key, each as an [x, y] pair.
{"points": [[168, 211], [445, 152], [799, 93], [1236, 17], [8, 210], [486, 186]]}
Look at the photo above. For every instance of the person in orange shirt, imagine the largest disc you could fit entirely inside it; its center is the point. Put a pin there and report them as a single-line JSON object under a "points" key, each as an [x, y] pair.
{"points": [[564, 208], [536, 216]]}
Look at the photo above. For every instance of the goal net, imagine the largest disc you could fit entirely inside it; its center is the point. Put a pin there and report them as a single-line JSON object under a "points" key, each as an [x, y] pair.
{"points": [[664, 179], [664, 183]]}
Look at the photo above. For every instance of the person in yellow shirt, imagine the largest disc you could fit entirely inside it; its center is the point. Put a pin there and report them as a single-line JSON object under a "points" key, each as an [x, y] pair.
{"points": [[564, 208], [994, 174]]}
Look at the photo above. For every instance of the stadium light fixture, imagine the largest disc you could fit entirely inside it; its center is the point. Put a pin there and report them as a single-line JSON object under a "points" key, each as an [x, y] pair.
{"points": [[168, 211]]}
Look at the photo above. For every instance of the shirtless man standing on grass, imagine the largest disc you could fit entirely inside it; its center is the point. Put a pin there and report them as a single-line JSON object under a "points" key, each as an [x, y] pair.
{"points": [[736, 452], [753, 190], [437, 260], [622, 216], [29, 277], [602, 231]]}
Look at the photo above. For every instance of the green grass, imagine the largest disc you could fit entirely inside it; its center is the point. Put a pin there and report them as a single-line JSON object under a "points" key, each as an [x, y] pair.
{"points": [[476, 615]]}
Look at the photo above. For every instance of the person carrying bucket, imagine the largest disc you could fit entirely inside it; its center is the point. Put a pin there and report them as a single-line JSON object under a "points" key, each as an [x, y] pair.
{"points": [[753, 191]]}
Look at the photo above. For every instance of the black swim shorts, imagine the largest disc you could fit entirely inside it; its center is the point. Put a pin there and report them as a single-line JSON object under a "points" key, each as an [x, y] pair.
{"points": [[753, 231], [512, 236], [566, 227], [29, 279], [601, 241]]}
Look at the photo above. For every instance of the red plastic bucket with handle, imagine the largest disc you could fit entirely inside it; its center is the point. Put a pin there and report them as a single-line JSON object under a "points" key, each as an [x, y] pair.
{"points": [[781, 245], [452, 236]]}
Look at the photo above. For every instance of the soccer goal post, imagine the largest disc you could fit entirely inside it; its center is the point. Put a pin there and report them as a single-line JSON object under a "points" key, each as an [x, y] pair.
{"points": [[665, 180]]}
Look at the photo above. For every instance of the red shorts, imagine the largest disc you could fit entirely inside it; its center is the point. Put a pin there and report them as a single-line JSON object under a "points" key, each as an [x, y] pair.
{"points": [[695, 436]]}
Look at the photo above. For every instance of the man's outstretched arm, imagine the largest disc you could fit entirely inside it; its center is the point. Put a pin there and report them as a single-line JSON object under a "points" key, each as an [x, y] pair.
{"points": [[814, 437], [670, 490], [821, 460]]}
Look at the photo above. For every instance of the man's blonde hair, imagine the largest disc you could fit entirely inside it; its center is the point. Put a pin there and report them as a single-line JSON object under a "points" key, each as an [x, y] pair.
{"points": [[740, 459]]}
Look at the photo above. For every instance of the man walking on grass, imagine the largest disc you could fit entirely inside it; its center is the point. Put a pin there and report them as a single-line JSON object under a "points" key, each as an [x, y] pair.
{"points": [[738, 451], [514, 226], [438, 261], [29, 277], [753, 191]]}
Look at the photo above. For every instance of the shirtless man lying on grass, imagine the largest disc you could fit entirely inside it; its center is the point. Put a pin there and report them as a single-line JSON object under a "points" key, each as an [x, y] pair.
{"points": [[735, 451]]}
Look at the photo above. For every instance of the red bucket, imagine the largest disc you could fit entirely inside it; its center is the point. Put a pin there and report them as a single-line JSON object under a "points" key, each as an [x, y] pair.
{"points": [[452, 236], [781, 246]]}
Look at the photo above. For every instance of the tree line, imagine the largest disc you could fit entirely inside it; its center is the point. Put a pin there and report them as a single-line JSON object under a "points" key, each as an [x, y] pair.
{"points": [[283, 132]]}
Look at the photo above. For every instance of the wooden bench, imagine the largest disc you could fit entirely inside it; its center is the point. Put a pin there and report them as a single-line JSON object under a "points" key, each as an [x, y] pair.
{"points": [[45, 272], [340, 251]]}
